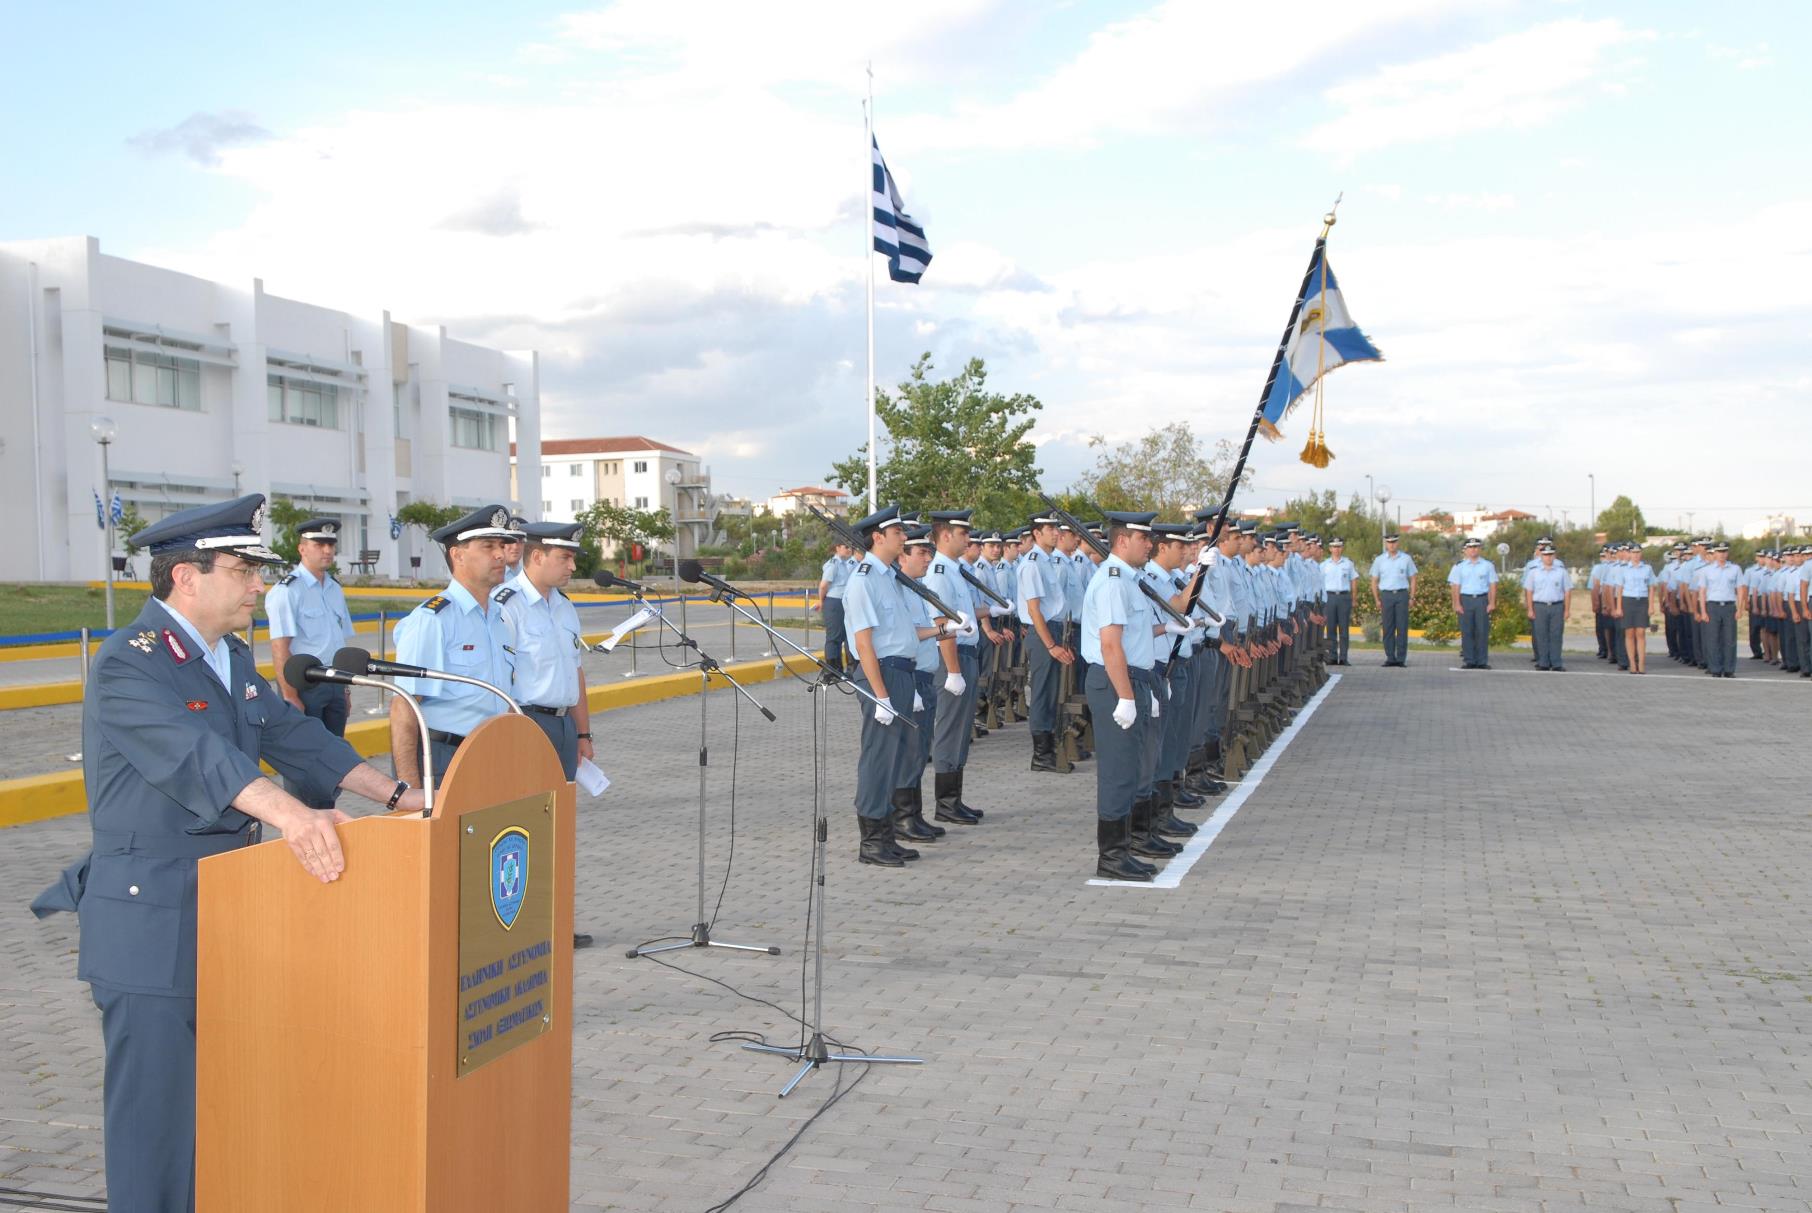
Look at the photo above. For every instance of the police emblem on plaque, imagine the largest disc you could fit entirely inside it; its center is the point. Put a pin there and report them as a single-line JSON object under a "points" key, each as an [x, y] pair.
{"points": [[509, 874]]}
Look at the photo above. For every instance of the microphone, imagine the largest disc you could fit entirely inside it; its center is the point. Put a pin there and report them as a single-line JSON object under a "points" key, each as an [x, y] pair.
{"points": [[692, 573], [304, 668], [360, 661], [607, 580]]}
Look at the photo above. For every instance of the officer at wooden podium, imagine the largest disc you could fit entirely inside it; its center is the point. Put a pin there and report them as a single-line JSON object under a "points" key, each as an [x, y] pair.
{"points": [[175, 718]]}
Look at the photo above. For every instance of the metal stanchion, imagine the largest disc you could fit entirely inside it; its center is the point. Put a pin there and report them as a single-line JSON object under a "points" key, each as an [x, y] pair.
{"points": [[85, 641], [732, 638], [773, 649], [383, 621]]}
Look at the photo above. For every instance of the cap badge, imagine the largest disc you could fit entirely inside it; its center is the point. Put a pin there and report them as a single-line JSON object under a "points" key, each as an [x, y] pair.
{"points": [[500, 519], [257, 523]]}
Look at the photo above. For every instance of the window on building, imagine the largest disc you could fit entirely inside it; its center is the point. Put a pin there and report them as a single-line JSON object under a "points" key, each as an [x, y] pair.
{"points": [[547, 507], [641, 503], [578, 504], [142, 377], [303, 402], [546, 471], [474, 430], [575, 469], [641, 465]]}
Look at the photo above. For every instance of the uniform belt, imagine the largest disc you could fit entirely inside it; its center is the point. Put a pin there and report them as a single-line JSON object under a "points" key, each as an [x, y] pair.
{"points": [[1475, 595], [1161, 669], [1139, 674], [445, 738], [898, 663], [1337, 593], [535, 707], [173, 846]]}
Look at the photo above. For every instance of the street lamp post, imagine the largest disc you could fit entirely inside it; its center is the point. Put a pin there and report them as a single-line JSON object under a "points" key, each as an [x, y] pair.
{"points": [[1592, 522], [104, 431], [1371, 490], [673, 478], [1383, 517]]}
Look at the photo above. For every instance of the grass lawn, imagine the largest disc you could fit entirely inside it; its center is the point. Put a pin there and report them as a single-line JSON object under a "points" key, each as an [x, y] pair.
{"points": [[28, 609]]}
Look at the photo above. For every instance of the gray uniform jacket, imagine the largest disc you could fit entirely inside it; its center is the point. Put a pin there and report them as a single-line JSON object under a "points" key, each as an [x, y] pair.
{"points": [[165, 749]]}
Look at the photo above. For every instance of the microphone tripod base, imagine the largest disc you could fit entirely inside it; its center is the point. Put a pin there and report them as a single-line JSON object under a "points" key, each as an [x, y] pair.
{"points": [[814, 1054], [701, 938]]}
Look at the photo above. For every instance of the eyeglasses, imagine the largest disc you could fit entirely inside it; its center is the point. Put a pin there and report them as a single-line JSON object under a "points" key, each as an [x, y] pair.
{"points": [[247, 573]]}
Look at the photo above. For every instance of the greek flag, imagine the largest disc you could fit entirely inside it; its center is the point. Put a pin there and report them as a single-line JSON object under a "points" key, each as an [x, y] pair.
{"points": [[396, 528], [1321, 336], [117, 509], [895, 232], [100, 518]]}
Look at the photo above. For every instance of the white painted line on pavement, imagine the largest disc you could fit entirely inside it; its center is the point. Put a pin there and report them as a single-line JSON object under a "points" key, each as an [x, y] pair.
{"points": [[1785, 680], [1172, 873]]}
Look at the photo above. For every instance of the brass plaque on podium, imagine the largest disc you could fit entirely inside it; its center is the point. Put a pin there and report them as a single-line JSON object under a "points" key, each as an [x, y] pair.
{"points": [[506, 926]]}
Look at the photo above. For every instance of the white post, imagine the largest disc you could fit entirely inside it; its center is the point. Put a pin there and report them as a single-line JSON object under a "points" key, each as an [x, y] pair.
{"points": [[868, 255], [107, 510]]}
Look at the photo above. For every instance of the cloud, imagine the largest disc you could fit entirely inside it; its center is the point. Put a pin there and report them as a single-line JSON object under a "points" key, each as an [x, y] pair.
{"points": [[498, 215], [201, 137], [1516, 82]]}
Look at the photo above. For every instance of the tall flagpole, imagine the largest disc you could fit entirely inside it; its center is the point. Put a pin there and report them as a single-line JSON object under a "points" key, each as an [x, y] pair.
{"points": [[868, 255]]}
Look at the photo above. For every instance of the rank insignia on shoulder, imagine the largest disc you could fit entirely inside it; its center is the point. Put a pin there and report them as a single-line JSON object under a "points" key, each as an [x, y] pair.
{"points": [[435, 603], [937, 568], [144, 642], [289, 580], [1112, 571], [505, 594], [197, 705], [863, 569]]}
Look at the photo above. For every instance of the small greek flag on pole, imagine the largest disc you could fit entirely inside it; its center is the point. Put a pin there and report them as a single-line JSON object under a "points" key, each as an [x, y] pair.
{"points": [[896, 235], [117, 508], [100, 518]]}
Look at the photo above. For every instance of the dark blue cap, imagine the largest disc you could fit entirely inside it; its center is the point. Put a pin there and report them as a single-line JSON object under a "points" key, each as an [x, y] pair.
{"points": [[1127, 520], [885, 516], [1175, 532], [235, 526], [554, 534], [321, 530], [485, 522], [1208, 512], [918, 534], [952, 517]]}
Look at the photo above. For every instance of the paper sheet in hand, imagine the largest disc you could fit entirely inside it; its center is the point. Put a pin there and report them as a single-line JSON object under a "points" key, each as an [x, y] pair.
{"points": [[627, 626], [590, 779]]}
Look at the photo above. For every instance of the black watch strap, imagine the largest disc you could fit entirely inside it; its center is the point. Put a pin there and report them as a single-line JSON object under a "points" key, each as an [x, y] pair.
{"points": [[396, 795]]}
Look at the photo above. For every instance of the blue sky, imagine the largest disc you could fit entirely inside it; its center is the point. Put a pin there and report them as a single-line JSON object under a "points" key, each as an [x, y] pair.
{"points": [[1576, 230]]}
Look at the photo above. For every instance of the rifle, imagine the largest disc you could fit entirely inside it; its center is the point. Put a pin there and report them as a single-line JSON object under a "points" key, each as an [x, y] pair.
{"points": [[973, 580], [849, 535], [1100, 549]]}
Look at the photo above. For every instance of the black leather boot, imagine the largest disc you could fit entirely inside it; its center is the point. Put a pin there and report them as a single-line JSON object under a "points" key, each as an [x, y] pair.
{"points": [[949, 791], [905, 826], [1144, 842], [899, 823], [877, 844], [1164, 812], [1182, 797], [926, 831], [1044, 752], [1112, 861], [961, 805]]}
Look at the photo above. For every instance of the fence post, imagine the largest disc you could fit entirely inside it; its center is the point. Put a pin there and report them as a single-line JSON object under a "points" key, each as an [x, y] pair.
{"points": [[84, 657]]}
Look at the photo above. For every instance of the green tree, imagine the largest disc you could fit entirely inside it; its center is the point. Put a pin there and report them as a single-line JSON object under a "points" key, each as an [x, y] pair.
{"points": [[951, 443], [428, 516], [287, 518], [130, 524], [1622, 522], [624, 526], [1166, 470]]}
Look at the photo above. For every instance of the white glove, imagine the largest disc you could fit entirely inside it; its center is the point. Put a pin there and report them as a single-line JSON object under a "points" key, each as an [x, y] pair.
{"points": [[1125, 712], [969, 629], [954, 683], [1174, 628], [1155, 698], [953, 627], [1208, 557], [1000, 612], [918, 705], [884, 712]]}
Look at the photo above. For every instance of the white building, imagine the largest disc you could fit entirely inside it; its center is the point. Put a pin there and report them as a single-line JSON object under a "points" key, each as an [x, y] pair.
{"points": [[831, 501], [217, 389], [631, 471], [1771, 526]]}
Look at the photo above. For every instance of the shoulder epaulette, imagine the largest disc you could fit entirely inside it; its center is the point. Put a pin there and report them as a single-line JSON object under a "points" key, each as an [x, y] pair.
{"points": [[287, 580], [436, 603], [1032, 556], [863, 568], [1112, 571], [937, 568], [505, 594]]}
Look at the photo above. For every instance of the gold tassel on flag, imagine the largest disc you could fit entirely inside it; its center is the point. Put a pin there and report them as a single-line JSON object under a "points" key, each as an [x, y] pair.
{"points": [[1315, 453]]}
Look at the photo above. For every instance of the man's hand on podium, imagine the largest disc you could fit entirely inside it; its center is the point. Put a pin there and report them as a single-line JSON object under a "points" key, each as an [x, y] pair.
{"points": [[313, 840]]}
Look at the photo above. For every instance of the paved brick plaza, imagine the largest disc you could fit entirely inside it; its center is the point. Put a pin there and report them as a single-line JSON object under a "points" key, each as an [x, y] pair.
{"points": [[1486, 941]]}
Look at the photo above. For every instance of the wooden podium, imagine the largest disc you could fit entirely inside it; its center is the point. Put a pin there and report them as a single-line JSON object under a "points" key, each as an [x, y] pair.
{"points": [[338, 1063]]}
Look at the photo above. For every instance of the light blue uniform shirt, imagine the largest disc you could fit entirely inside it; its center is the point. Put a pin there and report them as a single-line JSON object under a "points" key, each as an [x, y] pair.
{"points": [[219, 658], [1113, 597], [925, 657], [1337, 576], [1636, 579], [1042, 577], [311, 612], [943, 580], [452, 632], [873, 600], [1393, 572], [836, 572], [1720, 582], [1473, 576], [1547, 584], [545, 634]]}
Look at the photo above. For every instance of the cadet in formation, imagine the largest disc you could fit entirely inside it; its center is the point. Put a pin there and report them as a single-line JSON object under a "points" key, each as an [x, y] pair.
{"points": [[833, 578], [1339, 581], [1043, 608], [1393, 576], [1547, 598], [175, 720], [1473, 584], [307, 614]]}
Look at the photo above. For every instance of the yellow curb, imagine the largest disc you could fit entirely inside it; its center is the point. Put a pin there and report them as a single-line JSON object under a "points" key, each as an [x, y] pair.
{"points": [[61, 794]]}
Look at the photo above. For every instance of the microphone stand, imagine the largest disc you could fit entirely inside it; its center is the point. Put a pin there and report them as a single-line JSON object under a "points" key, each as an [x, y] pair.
{"points": [[700, 936], [813, 1052], [421, 722]]}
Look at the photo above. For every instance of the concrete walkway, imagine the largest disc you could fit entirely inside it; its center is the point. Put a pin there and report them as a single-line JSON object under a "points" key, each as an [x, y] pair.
{"points": [[1479, 941]]}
